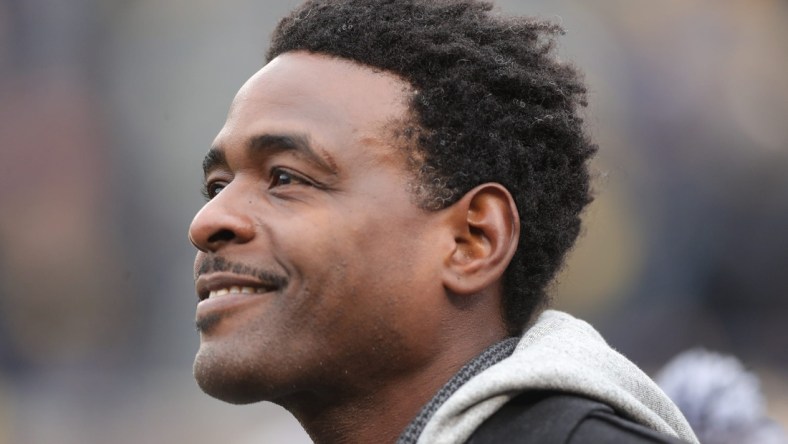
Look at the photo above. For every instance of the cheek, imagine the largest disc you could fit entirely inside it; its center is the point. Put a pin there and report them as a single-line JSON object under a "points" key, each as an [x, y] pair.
{"points": [[338, 269], [362, 254]]}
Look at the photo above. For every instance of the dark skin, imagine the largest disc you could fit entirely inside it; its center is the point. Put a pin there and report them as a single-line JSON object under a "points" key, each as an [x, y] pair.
{"points": [[349, 304]]}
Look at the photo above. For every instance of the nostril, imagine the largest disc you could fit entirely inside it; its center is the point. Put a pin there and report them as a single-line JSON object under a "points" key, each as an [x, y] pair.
{"points": [[221, 236]]}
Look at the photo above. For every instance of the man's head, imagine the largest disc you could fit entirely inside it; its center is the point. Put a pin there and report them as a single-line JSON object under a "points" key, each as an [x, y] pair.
{"points": [[309, 207], [396, 173]]}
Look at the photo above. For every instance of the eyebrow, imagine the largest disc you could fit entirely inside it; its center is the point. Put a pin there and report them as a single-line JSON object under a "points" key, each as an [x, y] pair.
{"points": [[273, 143], [214, 159]]}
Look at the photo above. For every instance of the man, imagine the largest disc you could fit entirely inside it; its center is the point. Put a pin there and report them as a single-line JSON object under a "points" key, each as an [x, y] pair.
{"points": [[387, 201]]}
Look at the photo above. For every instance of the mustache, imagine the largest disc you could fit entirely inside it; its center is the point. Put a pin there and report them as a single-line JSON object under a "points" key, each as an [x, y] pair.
{"points": [[212, 264]]}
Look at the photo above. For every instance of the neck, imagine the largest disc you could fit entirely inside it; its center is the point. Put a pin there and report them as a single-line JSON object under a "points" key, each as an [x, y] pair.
{"points": [[378, 418], [379, 413]]}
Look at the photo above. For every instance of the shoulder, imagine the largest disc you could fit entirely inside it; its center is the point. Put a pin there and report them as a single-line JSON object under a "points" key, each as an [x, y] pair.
{"points": [[551, 417]]}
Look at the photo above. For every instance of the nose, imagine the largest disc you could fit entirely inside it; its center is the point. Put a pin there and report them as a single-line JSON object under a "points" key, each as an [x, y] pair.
{"points": [[221, 222]]}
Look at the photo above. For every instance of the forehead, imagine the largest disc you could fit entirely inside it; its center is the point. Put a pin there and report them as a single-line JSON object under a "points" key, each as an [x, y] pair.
{"points": [[334, 101]]}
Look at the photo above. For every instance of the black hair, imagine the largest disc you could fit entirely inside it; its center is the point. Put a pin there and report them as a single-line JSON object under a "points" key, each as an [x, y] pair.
{"points": [[491, 103]]}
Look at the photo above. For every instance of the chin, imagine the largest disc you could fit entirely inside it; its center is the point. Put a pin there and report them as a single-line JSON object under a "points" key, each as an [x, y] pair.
{"points": [[225, 380]]}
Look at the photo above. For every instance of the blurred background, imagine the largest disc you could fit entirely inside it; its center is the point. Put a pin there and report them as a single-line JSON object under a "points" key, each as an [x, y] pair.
{"points": [[107, 108]]}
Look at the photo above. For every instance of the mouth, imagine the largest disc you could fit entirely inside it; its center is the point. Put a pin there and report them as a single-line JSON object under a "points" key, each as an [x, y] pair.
{"points": [[220, 285]]}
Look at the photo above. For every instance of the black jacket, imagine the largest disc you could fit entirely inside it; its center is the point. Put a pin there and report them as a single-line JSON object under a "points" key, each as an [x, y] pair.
{"points": [[557, 418]]}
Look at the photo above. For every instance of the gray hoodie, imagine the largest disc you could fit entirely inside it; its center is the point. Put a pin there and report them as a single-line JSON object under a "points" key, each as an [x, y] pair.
{"points": [[560, 353]]}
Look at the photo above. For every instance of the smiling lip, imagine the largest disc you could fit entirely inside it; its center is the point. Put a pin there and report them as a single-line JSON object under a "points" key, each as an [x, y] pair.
{"points": [[220, 285], [223, 293]]}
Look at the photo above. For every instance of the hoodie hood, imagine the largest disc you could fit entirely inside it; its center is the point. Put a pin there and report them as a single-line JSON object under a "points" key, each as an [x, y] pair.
{"points": [[559, 353]]}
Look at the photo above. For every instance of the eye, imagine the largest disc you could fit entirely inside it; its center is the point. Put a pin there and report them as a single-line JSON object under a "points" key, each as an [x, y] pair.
{"points": [[210, 190], [281, 177]]}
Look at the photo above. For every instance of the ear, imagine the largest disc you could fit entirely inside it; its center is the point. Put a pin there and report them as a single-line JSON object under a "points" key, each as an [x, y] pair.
{"points": [[486, 230]]}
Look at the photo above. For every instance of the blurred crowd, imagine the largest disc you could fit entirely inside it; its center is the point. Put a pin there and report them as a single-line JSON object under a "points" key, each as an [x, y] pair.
{"points": [[107, 107]]}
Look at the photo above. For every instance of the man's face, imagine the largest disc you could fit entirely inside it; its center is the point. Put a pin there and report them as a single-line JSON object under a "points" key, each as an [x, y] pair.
{"points": [[329, 267]]}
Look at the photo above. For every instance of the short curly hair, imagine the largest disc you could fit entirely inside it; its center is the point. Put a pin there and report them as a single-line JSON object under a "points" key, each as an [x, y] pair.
{"points": [[492, 103]]}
